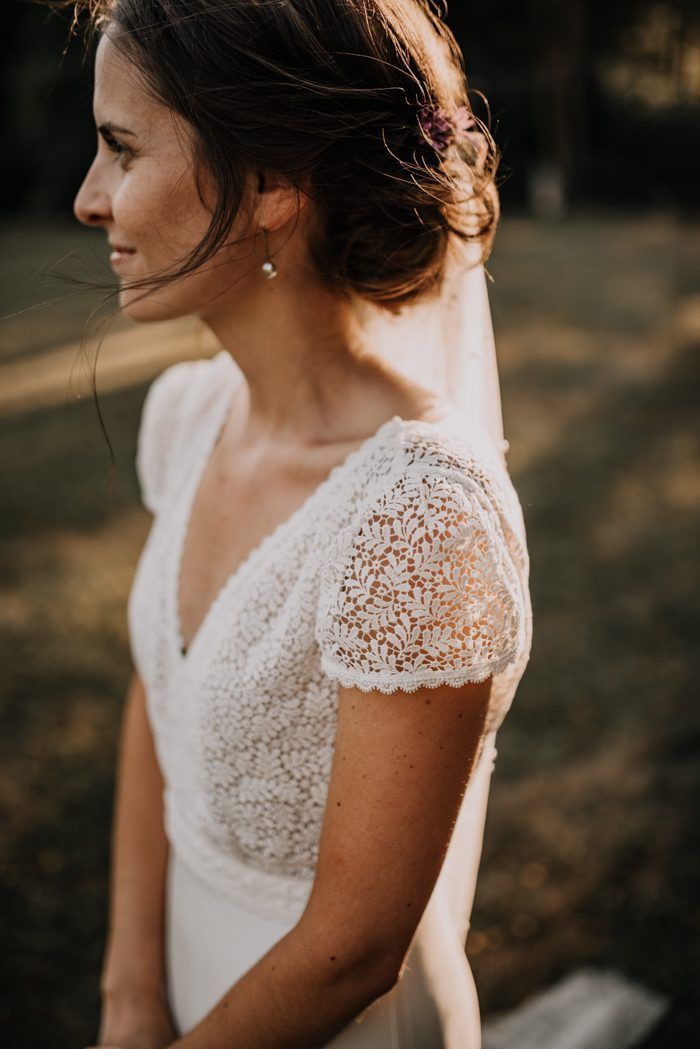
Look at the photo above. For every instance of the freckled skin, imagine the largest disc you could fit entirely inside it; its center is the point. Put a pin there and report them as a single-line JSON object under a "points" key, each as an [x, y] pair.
{"points": [[149, 201]]}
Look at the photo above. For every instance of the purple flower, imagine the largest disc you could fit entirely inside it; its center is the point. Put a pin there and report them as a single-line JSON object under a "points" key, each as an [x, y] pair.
{"points": [[437, 127], [441, 128]]}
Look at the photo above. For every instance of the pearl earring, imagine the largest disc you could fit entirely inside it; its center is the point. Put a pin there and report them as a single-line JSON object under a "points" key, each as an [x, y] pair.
{"points": [[268, 267]]}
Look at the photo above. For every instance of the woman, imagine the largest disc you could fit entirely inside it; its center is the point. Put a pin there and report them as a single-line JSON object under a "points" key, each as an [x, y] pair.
{"points": [[330, 615]]}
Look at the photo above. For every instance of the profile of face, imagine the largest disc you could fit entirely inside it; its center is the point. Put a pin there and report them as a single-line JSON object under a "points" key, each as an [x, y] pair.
{"points": [[141, 189]]}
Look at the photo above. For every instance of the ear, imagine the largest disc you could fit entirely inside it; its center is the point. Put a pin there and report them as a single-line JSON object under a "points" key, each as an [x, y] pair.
{"points": [[276, 201]]}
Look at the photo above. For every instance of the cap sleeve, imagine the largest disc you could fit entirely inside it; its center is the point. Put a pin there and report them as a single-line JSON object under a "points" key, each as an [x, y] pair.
{"points": [[422, 591], [157, 430]]}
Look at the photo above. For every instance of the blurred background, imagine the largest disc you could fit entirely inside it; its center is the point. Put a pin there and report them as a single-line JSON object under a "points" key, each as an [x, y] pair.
{"points": [[591, 849]]}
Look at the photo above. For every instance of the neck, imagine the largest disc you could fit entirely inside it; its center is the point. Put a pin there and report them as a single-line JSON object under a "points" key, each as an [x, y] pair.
{"points": [[310, 373]]}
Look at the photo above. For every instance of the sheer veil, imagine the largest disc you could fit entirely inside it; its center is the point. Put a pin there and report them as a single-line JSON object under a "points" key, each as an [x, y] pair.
{"points": [[446, 344]]}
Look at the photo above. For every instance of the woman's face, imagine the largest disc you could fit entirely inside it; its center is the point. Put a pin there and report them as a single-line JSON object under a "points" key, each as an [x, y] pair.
{"points": [[141, 190]]}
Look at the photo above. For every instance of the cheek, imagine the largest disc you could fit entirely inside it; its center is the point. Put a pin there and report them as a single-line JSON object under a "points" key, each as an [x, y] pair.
{"points": [[161, 215]]}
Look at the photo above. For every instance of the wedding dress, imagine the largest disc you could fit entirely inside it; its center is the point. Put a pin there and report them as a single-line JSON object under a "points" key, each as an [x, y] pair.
{"points": [[244, 720]]}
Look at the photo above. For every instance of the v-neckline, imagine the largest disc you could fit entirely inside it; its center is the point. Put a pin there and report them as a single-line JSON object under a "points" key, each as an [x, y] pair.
{"points": [[237, 577]]}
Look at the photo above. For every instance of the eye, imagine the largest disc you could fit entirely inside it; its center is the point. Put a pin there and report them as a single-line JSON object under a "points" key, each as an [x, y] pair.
{"points": [[117, 148]]}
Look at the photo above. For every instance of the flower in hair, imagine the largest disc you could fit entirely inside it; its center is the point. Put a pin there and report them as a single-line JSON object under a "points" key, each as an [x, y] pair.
{"points": [[442, 128], [437, 127]]}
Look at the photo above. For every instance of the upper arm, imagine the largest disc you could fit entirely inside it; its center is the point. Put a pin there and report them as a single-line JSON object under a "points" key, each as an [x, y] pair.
{"points": [[401, 766], [420, 606], [138, 732]]}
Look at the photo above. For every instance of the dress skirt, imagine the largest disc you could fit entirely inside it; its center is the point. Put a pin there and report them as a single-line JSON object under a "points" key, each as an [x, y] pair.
{"points": [[211, 942]]}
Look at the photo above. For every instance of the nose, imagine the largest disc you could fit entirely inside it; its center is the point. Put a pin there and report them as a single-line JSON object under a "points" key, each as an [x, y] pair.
{"points": [[92, 205]]}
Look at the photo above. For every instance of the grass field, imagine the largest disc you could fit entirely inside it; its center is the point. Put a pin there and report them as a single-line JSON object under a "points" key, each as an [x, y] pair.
{"points": [[591, 850]]}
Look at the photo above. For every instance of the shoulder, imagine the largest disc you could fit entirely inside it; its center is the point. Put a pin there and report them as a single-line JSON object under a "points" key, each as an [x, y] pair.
{"points": [[424, 472], [427, 585], [176, 403], [459, 459]]}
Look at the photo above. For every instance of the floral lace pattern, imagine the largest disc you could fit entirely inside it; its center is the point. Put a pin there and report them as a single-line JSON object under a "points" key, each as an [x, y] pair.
{"points": [[406, 567], [428, 594]]}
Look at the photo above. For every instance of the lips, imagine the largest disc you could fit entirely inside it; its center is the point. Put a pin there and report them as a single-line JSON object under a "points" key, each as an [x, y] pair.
{"points": [[120, 254]]}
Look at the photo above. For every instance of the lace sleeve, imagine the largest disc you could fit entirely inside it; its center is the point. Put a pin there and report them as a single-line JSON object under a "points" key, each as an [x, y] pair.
{"points": [[422, 592], [157, 429]]}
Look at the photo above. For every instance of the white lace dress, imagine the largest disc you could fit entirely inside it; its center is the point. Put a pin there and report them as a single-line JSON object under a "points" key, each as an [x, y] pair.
{"points": [[407, 566]]}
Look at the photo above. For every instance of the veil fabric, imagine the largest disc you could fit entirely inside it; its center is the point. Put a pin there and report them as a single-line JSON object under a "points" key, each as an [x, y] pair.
{"points": [[446, 344]]}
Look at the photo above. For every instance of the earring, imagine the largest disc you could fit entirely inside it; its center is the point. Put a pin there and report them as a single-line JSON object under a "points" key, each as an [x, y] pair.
{"points": [[268, 267]]}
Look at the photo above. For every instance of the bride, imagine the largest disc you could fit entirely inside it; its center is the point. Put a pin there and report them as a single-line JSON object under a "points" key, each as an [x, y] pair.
{"points": [[330, 616]]}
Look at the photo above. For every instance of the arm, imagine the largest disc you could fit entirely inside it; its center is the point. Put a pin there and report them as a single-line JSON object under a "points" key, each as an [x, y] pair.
{"points": [[132, 975], [401, 766]]}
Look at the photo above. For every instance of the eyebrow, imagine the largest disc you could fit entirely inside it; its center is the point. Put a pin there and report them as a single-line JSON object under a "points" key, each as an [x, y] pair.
{"points": [[109, 127]]}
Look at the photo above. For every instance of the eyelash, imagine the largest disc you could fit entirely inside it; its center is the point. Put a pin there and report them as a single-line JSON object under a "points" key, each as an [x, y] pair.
{"points": [[117, 147]]}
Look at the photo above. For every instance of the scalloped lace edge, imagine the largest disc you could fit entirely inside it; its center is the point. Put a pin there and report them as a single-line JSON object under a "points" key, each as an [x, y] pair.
{"points": [[412, 680]]}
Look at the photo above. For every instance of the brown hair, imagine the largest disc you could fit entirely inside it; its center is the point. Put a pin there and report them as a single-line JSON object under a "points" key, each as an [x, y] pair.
{"points": [[325, 93]]}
